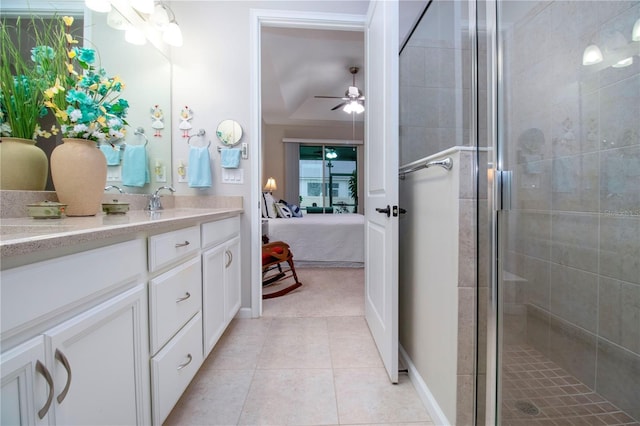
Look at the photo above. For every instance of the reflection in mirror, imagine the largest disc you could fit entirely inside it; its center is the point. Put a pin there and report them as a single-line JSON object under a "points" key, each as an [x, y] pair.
{"points": [[229, 132], [145, 70]]}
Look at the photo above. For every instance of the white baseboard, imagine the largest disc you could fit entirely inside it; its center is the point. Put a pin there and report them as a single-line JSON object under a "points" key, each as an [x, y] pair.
{"points": [[430, 403], [244, 313]]}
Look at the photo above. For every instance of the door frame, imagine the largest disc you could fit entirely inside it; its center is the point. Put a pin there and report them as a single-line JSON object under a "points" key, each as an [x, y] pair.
{"points": [[278, 19]]}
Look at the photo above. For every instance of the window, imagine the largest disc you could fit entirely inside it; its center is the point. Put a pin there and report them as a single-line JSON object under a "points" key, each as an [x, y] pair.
{"points": [[328, 177]]}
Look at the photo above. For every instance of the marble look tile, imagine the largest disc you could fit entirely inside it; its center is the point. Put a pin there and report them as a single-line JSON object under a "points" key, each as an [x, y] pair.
{"points": [[466, 330], [573, 296], [575, 240], [575, 183], [365, 395], [534, 185], [212, 399], [619, 313], [532, 233], [620, 180], [620, 248], [291, 397]]}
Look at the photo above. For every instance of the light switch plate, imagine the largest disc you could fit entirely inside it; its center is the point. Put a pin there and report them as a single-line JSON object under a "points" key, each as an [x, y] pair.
{"points": [[114, 173], [232, 176]]}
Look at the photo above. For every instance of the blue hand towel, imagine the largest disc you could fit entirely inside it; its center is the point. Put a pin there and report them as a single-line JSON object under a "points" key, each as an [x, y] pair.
{"points": [[230, 158], [135, 167], [112, 153], [199, 171]]}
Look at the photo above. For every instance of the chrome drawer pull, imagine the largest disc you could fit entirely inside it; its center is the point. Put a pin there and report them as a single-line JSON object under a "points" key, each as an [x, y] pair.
{"points": [[182, 299], [40, 368], [181, 366], [186, 243], [229, 258], [65, 363]]}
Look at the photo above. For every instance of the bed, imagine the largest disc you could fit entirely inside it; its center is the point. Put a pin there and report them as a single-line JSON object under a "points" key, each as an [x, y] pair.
{"points": [[322, 239]]}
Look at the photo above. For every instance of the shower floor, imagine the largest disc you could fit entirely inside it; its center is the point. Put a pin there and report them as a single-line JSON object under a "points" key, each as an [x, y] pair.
{"points": [[536, 391]]}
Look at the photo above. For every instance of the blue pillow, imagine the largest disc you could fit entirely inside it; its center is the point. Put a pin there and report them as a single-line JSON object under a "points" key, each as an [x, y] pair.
{"points": [[295, 210]]}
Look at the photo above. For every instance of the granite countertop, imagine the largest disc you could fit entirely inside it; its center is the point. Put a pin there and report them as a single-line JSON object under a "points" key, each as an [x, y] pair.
{"points": [[25, 235]]}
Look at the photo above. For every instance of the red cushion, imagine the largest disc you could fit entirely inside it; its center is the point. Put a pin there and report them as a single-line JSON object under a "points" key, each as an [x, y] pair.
{"points": [[266, 256]]}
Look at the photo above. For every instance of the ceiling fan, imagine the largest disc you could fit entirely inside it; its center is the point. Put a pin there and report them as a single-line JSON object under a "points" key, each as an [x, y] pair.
{"points": [[353, 98]]}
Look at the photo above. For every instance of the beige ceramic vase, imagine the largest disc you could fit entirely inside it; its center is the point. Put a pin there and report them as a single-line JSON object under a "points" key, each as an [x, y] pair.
{"points": [[79, 173], [23, 166]]}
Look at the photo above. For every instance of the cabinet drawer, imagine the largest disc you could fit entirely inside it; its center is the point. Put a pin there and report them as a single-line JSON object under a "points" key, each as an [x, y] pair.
{"points": [[171, 246], [220, 230], [174, 367], [174, 297]]}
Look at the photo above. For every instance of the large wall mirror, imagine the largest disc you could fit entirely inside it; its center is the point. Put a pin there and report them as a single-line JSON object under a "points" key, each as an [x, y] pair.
{"points": [[146, 72]]}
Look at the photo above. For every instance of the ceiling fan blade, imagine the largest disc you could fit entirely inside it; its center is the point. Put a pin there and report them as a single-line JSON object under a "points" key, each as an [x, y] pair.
{"points": [[338, 106], [328, 97]]}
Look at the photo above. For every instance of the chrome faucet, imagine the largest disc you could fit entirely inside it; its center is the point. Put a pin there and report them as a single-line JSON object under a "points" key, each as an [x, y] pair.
{"points": [[154, 199], [106, 188]]}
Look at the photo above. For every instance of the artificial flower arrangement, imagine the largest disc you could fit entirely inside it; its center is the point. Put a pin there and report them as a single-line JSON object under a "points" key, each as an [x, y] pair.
{"points": [[86, 104], [21, 90]]}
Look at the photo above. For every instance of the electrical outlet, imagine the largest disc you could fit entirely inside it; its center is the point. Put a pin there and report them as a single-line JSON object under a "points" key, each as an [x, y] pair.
{"points": [[182, 174], [160, 173]]}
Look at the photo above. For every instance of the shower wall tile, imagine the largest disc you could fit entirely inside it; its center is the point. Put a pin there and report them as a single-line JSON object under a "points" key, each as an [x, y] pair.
{"points": [[533, 186], [466, 330], [619, 112], [538, 329], [575, 183], [536, 273], [574, 349], [575, 240], [620, 247], [573, 295], [618, 377], [534, 233], [620, 181], [412, 66], [466, 243], [619, 313]]}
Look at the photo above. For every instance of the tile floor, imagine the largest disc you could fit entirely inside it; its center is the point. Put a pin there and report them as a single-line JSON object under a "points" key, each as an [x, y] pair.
{"points": [[560, 398], [310, 360]]}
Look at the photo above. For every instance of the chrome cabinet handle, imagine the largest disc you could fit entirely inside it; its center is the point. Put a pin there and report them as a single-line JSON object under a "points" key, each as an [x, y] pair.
{"points": [[185, 297], [65, 363], [186, 243], [229, 257], [181, 366], [40, 368]]}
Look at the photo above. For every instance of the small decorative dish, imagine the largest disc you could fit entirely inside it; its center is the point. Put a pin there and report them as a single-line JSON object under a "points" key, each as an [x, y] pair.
{"points": [[46, 210], [115, 207]]}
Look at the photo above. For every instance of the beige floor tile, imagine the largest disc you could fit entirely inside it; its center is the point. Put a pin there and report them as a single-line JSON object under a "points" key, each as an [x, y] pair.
{"points": [[249, 326], [212, 399], [312, 327], [347, 326], [291, 397], [365, 396], [295, 351], [235, 352], [354, 352]]}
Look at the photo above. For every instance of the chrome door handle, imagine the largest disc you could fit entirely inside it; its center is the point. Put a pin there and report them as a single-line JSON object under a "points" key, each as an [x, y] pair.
{"points": [[40, 368], [181, 366], [186, 243], [386, 211], [65, 363], [185, 297]]}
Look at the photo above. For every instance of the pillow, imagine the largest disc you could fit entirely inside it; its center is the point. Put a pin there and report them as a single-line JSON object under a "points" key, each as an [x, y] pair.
{"points": [[269, 207], [283, 210], [295, 210]]}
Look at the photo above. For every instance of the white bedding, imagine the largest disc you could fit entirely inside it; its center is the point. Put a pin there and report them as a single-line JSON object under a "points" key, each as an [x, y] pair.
{"points": [[336, 238]]}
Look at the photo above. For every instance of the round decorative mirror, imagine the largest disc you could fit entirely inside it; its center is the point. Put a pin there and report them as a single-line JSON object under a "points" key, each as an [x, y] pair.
{"points": [[229, 132]]}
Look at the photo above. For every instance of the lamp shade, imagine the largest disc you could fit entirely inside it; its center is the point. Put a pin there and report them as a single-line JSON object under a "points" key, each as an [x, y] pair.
{"points": [[271, 185]]}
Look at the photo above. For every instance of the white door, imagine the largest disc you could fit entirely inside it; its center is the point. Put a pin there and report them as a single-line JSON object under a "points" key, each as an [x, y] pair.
{"points": [[381, 180]]}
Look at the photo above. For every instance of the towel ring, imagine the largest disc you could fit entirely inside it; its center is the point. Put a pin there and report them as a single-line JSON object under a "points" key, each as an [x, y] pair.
{"points": [[201, 132], [140, 132]]}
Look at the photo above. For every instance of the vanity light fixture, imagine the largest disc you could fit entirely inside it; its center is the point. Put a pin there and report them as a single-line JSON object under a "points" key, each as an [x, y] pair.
{"points": [[135, 36], [592, 55], [100, 6], [270, 185]]}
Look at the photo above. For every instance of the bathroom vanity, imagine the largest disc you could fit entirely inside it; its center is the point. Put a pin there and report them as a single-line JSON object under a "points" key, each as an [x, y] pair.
{"points": [[106, 319]]}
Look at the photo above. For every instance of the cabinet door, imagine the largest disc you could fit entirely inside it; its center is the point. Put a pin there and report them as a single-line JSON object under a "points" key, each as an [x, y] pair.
{"points": [[213, 297], [232, 278], [100, 363], [27, 387]]}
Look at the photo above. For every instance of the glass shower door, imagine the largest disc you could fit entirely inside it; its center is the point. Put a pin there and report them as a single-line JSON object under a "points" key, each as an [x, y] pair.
{"points": [[568, 263]]}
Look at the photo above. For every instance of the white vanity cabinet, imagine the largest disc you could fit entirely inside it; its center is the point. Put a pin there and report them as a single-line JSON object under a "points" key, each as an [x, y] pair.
{"points": [[221, 290], [175, 305], [82, 339]]}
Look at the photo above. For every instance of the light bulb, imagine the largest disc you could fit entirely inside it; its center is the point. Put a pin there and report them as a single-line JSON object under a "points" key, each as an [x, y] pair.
{"points": [[348, 108], [172, 35], [635, 34], [623, 63], [100, 6], [135, 36], [592, 55]]}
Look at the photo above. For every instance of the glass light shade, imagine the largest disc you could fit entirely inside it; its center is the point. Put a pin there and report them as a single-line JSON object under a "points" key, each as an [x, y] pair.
{"points": [[623, 63], [116, 21], [358, 108], [143, 6], [635, 33], [592, 55], [135, 36], [172, 35], [100, 6], [160, 17], [271, 185], [331, 155]]}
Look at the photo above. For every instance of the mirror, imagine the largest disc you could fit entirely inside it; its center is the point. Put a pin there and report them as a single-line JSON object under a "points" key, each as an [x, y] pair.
{"points": [[229, 132], [146, 72]]}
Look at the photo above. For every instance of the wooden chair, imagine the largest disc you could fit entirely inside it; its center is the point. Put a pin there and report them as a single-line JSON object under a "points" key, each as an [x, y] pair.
{"points": [[274, 254]]}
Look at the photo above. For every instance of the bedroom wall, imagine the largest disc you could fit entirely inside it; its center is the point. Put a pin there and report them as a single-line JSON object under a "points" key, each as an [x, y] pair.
{"points": [[273, 149]]}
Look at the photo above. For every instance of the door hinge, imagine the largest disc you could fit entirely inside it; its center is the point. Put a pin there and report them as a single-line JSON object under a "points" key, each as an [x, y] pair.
{"points": [[504, 179]]}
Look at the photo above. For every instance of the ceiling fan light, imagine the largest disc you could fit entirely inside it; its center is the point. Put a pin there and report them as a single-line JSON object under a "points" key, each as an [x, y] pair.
{"points": [[623, 63], [160, 17], [358, 108], [135, 36], [116, 21], [143, 6], [173, 35], [592, 55], [100, 6], [348, 108], [635, 33]]}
